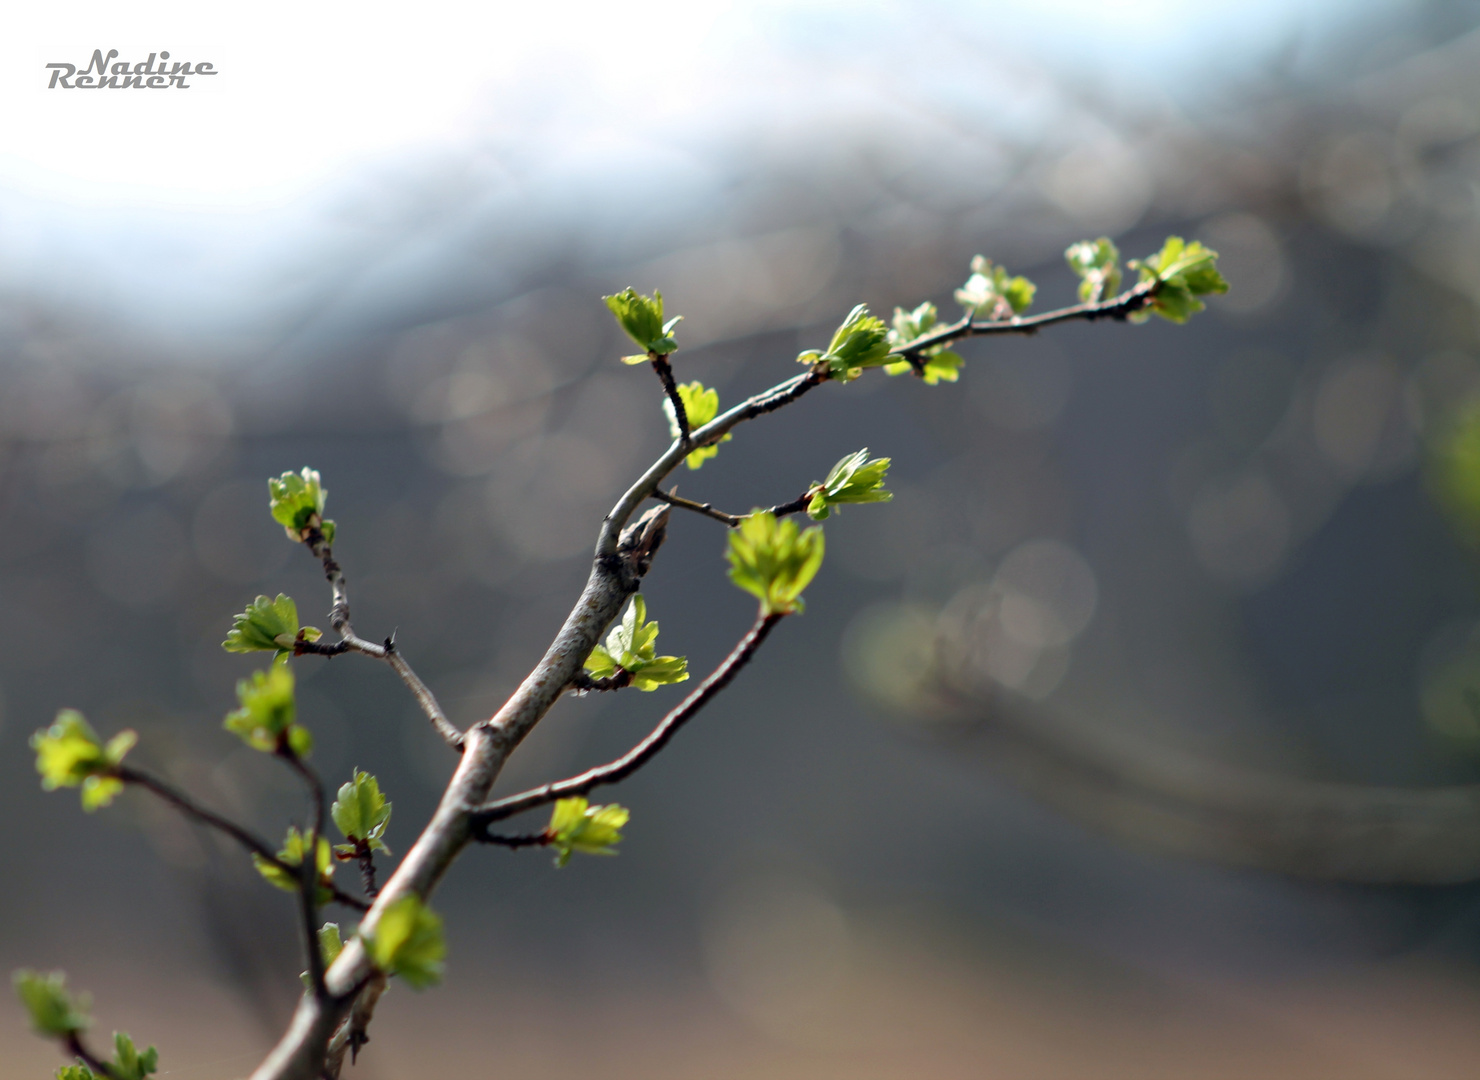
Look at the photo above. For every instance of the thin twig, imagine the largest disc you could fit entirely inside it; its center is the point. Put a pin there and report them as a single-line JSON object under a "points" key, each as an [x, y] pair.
{"points": [[308, 871], [796, 506], [640, 754], [665, 375], [523, 840], [1117, 307], [77, 1049], [352, 642], [366, 858], [190, 808]]}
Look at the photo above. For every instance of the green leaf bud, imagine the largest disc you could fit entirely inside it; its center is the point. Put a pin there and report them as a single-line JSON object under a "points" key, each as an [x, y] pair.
{"points": [[408, 942], [773, 561], [861, 341], [70, 754], [270, 625], [1183, 272], [265, 720], [642, 318], [362, 812], [592, 830], [990, 292], [632, 647], [1097, 263], [297, 504], [854, 479], [295, 844], [54, 1012]]}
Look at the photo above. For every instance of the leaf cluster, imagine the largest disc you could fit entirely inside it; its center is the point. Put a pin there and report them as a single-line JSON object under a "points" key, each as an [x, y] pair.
{"points": [[993, 293], [408, 942], [54, 1012], [861, 341], [70, 754], [773, 561], [575, 825], [939, 363], [362, 813], [642, 318], [1097, 263], [700, 406], [854, 479], [265, 720], [1183, 272], [295, 846], [632, 647], [268, 625], [128, 1062], [297, 504]]}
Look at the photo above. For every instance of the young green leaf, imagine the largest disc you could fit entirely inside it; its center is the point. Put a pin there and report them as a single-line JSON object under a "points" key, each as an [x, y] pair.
{"points": [[128, 1063], [632, 647], [855, 479], [939, 364], [642, 318], [1097, 262], [862, 341], [294, 846], [700, 406], [54, 1012], [297, 504], [361, 812], [773, 562], [268, 625], [408, 942], [70, 754], [330, 946], [265, 719], [577, 826], [1184, 272], [76, 1072], [992, 293]]}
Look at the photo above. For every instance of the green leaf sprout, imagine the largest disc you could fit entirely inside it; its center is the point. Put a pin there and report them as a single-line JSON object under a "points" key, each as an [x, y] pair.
{"points": [[862, 341], [128, 1063], [990, 292], [642, 318], [361, 813], [575, 825], [330, 946], [294, 846], [53, 1011], [774, 562], [1184, 272], [631, 647], [939, 363], [265, 720], [268, 625], [408, 942], [1097, 262], [700, 406], [297, 504], [70, 754], [855, 479]]}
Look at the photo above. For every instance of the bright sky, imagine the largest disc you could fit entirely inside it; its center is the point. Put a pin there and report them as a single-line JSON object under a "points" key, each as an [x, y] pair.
{"points": [[309, 96]]}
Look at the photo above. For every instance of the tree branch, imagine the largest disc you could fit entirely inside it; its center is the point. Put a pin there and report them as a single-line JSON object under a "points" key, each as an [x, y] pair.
{"points": [[665, 375], [1117, 307], [77, 1049], [352, 642], [308, 872], [732, 520], [640, 754], [190, 808]]}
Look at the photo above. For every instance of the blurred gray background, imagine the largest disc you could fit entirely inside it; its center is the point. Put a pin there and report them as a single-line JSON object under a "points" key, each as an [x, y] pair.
{"points": [[377, 246]]}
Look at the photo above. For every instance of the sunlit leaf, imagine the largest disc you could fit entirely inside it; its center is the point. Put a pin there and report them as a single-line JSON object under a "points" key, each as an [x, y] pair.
{"points": [[361, 811], [575, 825], [700, 406], [297, 504], [773, 561], [408, 942], [642, 318], [266, 625], [854, 479]]}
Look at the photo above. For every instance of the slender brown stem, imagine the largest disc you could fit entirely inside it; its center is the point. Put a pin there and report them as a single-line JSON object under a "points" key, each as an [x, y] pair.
{"points": [[665, 375], [366, 858], [796, 506], [640, 754], [192, 809], [351, 642], [1117, 307], [308, 872], [522, 840], [77, 1049]]}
